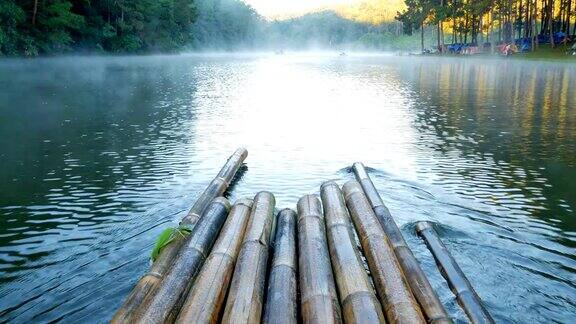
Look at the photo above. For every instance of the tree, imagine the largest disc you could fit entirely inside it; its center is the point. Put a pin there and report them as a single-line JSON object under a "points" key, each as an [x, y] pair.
{"points": [[417, 13], [508, 19], [12, 17], [55, 23]]}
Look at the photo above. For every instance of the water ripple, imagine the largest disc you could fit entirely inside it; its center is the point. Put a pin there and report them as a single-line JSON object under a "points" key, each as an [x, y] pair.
{"points": [[101, 154]]}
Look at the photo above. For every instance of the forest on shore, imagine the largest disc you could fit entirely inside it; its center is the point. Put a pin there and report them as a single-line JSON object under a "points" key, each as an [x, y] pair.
{"points": [[531, 22], [53, 27]]}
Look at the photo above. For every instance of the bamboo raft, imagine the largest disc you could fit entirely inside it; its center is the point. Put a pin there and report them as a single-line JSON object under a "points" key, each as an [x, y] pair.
{"points": [[243, 263]]}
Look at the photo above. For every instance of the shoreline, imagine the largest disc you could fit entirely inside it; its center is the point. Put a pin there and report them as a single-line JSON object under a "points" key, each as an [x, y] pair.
{"points": [[545, 54]]}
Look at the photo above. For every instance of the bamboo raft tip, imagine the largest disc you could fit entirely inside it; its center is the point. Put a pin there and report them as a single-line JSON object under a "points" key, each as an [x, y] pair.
{"points": [[286, 210], [264, 193], [264, 196], [244, 201], [309, 203], [242, 151], [423, 225], [223, 201], [308, 199], [351, 187], [328, 183], [360, 171]]}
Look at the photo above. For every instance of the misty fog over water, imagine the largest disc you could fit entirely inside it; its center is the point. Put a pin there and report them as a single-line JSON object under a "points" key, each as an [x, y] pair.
{"points": [[100, 154]]}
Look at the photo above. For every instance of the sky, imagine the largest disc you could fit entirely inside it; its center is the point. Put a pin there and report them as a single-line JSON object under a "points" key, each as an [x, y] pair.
{"points": [[275, 8]]}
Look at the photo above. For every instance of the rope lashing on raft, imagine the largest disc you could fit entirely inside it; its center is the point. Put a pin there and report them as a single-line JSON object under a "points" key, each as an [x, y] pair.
{"points": [[167, 236]]}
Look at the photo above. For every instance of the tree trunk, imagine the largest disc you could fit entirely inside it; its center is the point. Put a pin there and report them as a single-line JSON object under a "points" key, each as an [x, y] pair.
{"points": [[574, 30], [481, 29], [491, 33], [551, 21], [422, 37], [441, 26], [466, 30], [543, 21], [520, 18], [534, 33], [474, 31], [438, 35], [34, 11], [442, 33], [568, 17], [528, 19], [453, 31], [500, 31], [562, 15], [509, 31]]}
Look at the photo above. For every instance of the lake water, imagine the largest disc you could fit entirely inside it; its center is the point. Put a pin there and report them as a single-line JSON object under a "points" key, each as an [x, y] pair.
{"points": [[99, 155]]}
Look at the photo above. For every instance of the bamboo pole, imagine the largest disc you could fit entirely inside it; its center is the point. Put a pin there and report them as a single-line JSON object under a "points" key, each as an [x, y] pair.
{"points": [[218, 185], [465, 294], [246, 296], [319, 301], [431, 305], [163, 304], [359, 302], [160, 267], [392, 287], [281, 302], [204, 302]]}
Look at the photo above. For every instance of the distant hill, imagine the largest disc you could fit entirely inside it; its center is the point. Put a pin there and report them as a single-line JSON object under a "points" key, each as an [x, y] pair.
{"points": [[371, 11], [374, 12]]}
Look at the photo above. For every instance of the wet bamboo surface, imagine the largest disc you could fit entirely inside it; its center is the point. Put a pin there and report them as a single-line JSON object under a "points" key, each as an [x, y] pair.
{"points": [[246, 297], [248, 265], [163, 304], [430, 303], [319, 301], [205, 299], [359, 302], [459, 284], [399, 304], [161, 265], [282, 294]]}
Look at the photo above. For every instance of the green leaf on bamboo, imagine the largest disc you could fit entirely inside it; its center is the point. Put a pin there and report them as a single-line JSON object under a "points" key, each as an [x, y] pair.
{"points": [[166, 237]]}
